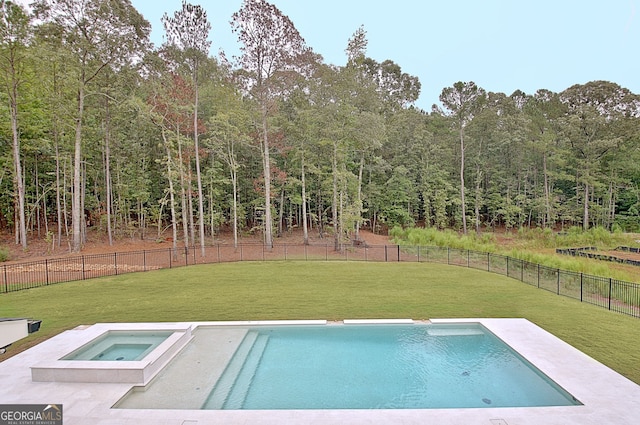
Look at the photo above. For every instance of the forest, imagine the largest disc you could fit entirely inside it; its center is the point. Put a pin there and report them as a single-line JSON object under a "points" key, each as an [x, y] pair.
{"points": [[101, 129]]}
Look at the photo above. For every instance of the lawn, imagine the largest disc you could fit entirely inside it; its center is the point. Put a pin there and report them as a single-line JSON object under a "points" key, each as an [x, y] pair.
{"points": [[324, 290]]}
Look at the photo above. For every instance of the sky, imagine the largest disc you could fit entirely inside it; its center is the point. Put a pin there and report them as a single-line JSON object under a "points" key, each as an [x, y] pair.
{"points": [[501, 45]]}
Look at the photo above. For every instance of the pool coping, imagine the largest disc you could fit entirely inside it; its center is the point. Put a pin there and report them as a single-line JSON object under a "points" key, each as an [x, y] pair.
{"points": [[607, 396]]}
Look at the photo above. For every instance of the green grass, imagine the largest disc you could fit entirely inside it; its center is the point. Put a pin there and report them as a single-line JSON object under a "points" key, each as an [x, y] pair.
{"points": [[324, 290]]}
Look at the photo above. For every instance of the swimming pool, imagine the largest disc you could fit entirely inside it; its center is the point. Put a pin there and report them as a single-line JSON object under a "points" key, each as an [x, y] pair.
{"points": [[416, 366], [605, 395]]}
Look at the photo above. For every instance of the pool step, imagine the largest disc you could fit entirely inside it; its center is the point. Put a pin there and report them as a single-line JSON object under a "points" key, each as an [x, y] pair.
{"points": [[239, 391], [247, 356], [185, 383]]}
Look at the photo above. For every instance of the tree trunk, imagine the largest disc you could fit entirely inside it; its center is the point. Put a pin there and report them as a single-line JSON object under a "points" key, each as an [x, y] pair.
{"points": [[320, 207], [234, 182], [36, 206], [585, 221], [192, 229], [612, 206], [305, 230], [19, 179], [547, 203], [359, 197], [281, 213], [266, 160], [65, 203], [83, 192], [198, 176], [464, 212], [76, 208], [334, 204], [107, 168], [183, 194], [478, 198], [172, 202], [58, 203]]}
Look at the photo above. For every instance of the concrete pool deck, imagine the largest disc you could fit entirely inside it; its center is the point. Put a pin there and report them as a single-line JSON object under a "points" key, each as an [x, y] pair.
{"points": [[607, 397]]}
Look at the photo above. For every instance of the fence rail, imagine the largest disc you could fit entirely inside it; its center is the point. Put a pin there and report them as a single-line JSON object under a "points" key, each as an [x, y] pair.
{"points": [[615, 295]]}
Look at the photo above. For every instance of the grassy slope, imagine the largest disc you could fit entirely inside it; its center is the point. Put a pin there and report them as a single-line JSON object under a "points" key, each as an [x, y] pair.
{"points": [[325, 290]]}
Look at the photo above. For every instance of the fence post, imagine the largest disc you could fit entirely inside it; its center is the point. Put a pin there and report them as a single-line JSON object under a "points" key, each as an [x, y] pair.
{"points": [[385, 253], [507, 266], [46, 270], [538, 275], [398, 253], [6, 282], [522, 270], [488, 262], [448, 255], [468, 257], [558, 289], [115, 262], [144, 260], [83, 277], [186, 255], [581, 283], [171, 252], [610, 285]]}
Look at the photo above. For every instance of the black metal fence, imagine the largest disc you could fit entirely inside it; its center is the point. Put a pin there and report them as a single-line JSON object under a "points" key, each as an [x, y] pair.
{"points": [[615, 295]]}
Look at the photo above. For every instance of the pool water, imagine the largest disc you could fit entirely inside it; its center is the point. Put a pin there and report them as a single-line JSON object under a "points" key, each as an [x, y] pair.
{"points": [[120, 346], [380, 367], [119, 352]]}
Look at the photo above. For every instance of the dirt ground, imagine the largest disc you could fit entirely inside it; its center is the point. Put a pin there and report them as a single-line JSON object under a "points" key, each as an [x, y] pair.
{"points": [[97, 243]]}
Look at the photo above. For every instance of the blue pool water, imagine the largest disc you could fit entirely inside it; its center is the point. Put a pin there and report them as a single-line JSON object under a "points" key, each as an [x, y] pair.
{"points": [[120, 346], [380, 367]]}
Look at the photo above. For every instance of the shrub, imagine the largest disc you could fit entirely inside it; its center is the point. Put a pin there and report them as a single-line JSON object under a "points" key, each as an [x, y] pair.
{"points": [[4, 254]]}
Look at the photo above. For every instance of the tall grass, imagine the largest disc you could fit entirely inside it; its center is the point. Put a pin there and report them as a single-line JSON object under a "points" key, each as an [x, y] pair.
{"points": [[443, 238], [525, 244], [574, 237]]}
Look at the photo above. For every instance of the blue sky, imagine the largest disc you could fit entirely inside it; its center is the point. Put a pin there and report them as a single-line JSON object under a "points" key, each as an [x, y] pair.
{"points": [[501, 45]]}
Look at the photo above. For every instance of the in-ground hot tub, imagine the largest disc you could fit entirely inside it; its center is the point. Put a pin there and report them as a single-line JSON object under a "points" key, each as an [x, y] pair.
{"points": [[120, 346], [113, 353]]}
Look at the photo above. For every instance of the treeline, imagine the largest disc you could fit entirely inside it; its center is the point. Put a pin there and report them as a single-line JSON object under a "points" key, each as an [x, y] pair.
{"points": [[101, 128]]}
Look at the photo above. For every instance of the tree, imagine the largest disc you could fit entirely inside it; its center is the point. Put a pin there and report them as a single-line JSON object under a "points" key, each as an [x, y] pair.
{"points": [[15, 32], [100, 33], [188, 31], [273, 52], [463, 100], [544, 110], [227, 135], [594, 109]]}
